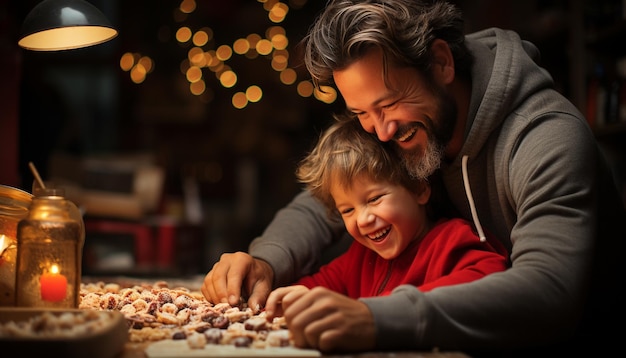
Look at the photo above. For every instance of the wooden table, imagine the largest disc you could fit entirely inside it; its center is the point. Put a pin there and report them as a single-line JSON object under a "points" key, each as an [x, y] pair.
{"points": [[137, 350]]}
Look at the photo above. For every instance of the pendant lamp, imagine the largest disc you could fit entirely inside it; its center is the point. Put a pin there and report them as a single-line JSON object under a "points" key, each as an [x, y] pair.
{"points": [[55, 25]]}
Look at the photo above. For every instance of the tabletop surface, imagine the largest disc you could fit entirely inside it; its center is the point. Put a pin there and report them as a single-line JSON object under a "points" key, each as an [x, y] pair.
{"points": [[138, 350]]}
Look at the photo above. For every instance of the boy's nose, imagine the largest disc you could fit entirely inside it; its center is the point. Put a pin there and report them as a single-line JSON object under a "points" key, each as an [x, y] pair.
{"points": [[365, 218]]}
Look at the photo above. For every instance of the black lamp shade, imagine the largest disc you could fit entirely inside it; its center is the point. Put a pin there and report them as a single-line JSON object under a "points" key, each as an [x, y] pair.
{"points": [[55, 25]]}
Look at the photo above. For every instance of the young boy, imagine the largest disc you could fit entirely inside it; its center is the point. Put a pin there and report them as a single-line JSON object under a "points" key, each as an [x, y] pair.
{"points": [[397, 238]]}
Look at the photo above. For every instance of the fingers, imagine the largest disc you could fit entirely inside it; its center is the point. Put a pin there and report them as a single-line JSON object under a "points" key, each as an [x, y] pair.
{"points": [[259, 284], [258, 295], [305, 318], [236, 274], [273, 307], [223, 282], [282, 298], [207, 288], [234, 280], [316, 333], [329, 321], [211, 288]]}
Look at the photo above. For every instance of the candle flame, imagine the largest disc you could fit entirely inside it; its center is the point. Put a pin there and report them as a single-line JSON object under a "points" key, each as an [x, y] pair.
{"points": [[54, 269]]}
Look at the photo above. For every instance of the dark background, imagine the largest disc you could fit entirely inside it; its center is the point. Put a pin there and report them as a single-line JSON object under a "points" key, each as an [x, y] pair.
{"points": [[81, 104]]}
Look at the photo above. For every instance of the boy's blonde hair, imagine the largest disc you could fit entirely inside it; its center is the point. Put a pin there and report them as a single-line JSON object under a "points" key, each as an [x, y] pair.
{"points": [[345, 151]]}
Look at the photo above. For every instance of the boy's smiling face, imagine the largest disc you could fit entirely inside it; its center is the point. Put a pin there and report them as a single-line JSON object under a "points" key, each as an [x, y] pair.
{"points": [[383, 217]]}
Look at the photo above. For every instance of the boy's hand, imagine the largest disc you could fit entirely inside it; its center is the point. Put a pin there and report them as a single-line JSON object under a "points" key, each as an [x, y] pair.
{"points": [[326, 320], [281, 298]]}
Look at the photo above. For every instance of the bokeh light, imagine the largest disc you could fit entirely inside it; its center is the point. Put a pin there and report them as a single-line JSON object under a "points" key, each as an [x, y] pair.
{"points": [[305, 88], [288, 76], [183, 35], [239, 100], [228, 79], [254, 93], [204, 56]]}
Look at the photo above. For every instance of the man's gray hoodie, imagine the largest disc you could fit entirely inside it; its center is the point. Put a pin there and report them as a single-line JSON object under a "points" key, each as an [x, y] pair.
{"points": [[538, 181]]}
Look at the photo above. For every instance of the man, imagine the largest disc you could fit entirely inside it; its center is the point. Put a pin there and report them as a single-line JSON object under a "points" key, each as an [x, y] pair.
{"points": [[515, 156]]}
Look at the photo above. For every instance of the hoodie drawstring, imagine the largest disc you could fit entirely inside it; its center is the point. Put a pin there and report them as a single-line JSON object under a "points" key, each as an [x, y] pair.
{"points": [[470, 198]]}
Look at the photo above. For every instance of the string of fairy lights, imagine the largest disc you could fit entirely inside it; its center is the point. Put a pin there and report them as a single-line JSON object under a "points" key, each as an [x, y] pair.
{"points": [[201, 60]]}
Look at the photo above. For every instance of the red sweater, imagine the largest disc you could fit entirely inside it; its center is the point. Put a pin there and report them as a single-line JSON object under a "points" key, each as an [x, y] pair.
{"points": [[449, 254]]}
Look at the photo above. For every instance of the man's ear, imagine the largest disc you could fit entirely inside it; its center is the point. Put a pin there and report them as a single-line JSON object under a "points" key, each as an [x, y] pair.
{"points": [[443, 62]]}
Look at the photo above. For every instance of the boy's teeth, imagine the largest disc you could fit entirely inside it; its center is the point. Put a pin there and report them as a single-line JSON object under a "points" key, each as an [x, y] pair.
{"points": [[378, 234]]}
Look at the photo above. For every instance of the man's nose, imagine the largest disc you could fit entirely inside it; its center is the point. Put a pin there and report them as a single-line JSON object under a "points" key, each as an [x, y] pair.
{"points": [[376, 123]]}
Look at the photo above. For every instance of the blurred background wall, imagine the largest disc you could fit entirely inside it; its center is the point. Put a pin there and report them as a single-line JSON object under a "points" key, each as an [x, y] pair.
{"points": [[96, 117]]}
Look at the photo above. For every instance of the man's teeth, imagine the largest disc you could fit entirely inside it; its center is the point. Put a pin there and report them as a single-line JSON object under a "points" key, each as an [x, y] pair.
{"points": [[407, 135], [379, 234]]}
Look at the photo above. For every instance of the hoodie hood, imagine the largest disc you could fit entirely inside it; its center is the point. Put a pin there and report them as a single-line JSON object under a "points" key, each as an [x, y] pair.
{"points": [[506, 79], [504, 75]]}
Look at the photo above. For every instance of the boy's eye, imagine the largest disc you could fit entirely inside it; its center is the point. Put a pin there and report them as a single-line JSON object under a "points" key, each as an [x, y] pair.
{"points": [[346, 211], [374, 199]]}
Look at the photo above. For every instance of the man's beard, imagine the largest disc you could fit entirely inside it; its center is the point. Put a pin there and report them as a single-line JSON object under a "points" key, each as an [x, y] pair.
{"points": [[421, 165]]}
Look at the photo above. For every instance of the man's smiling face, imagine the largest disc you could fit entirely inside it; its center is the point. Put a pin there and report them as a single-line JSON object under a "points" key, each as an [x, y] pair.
{"points": [[406, 108]]}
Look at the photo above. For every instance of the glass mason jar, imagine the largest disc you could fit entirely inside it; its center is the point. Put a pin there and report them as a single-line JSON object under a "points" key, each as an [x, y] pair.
{"points": [[14, 205], [50, 241]]}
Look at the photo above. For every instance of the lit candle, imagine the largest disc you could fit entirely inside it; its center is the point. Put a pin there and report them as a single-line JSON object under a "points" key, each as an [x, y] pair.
{"points": [[53, 285]]}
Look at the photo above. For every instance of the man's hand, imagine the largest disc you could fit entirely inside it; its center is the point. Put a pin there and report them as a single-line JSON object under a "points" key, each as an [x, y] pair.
{"points": [[323, 319], [236, 275]]}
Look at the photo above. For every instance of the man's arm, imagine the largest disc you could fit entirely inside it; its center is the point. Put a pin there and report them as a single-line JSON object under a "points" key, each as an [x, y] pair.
{"points": [[540, 299], [294, 242]]}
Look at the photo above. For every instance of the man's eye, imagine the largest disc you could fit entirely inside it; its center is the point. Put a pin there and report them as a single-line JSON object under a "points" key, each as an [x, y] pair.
{"points": [[390, 105]]}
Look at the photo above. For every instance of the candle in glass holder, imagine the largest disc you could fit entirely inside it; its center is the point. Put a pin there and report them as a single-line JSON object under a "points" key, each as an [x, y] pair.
{"points": [[53, 285], [49, 235]]}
